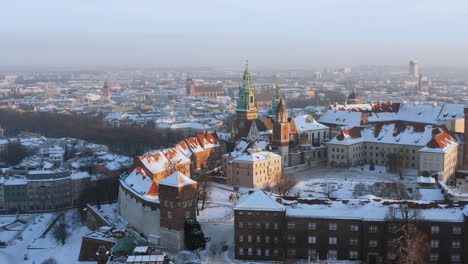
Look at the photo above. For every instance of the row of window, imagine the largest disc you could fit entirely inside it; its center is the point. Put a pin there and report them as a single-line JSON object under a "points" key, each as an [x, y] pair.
{"points": [[455, 243], [266, 226], [331, 254], [334, 227], [184, 204], [456, 230], [454, 258]]}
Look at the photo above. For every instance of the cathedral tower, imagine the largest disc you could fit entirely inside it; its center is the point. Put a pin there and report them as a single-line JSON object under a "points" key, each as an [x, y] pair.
{"points": [[246, 105], [281, 130]]}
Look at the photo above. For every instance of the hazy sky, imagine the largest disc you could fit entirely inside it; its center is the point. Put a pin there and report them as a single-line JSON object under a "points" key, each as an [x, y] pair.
{"points": [[292, 34]]}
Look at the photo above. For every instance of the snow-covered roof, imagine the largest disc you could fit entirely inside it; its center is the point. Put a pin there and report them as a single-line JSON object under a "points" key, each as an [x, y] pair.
{"points": [[343, 118], [259, 200], [257, 156], [366, 208], [155, 162], [374, 209], [177, 179], [410, 112], [422, 179], [138, 183], [307, 123], [431, 138]]}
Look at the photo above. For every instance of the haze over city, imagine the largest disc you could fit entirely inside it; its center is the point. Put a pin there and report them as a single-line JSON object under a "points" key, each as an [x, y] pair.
{"points": [[274, 34], [234, 131]]}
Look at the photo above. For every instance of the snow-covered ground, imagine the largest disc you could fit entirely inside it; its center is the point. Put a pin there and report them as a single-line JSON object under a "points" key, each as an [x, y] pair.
{"points": [[38, 248]]}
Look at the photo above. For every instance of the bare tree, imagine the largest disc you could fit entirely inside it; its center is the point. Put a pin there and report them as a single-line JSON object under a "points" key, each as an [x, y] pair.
{"points": [[203, 192], [359, 190], [411, 246], [283, 184], [60, 231], [329, 190]]}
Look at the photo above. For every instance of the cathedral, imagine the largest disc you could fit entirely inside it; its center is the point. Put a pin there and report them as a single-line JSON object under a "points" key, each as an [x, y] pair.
{"points": [[278, 128]]}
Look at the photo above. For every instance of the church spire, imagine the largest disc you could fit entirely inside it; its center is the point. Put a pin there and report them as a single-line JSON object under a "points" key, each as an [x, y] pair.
{"points": [[247, 92], [275, 102]]}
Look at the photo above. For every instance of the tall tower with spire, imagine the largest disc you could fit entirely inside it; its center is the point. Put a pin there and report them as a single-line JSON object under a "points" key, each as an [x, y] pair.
{"points": [[281, 130], [246, 105], [276, 100], [106, 92]]}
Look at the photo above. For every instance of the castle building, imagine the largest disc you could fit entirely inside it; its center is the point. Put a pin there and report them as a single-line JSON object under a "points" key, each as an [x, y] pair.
{"points": [[271, 228], [158, 209], [253, 169], [398, 146]]}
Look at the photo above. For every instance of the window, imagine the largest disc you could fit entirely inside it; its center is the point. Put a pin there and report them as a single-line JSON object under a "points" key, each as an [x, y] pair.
{"points": [[241, 225], [353, 241], [291, 239], [373, 243], [435, 229], [275, 240], [249, 225], [354, 228], [332, 240], [312, 226], [275, 252], [373, 229], [455, 258], [249, 213], [267, 239], [332, 227], [291, 225], [275, 226], [249, 251], [291, 252], [434, 243], [249, 238], [259, 226], [312, 254], [259, 251], [187, 214], [259, 239], [169, 215], [267, 252], [456, 230], [456, 244], [267, 225], [241, 238], [353, 254], [332, 254], [434, 257], [312, 239], [241, 251]]}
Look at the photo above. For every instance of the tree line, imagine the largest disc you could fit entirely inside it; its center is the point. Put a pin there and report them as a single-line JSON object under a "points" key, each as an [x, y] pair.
{"points": [[130, 140]]}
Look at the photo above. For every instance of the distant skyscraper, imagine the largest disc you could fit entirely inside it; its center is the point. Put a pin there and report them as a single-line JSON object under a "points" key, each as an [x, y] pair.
{"points": [[414, 68]]}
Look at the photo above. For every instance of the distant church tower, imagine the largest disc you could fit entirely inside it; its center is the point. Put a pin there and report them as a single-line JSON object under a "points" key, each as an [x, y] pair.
{"points": [[281, 130], [246, 105], [353, 97], [106, 92], [190, 86]]}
